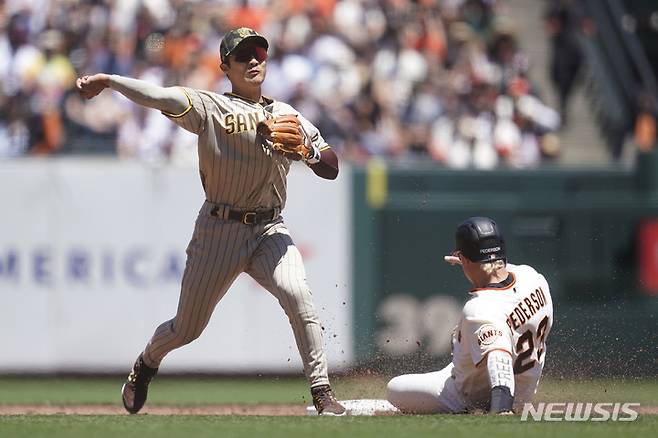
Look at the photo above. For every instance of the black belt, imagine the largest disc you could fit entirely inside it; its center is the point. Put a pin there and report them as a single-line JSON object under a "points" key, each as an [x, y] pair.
{"points": [[248, 217]]}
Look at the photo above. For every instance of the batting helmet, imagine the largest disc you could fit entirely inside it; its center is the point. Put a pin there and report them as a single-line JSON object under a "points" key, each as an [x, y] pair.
{"points": [[480, 240]]}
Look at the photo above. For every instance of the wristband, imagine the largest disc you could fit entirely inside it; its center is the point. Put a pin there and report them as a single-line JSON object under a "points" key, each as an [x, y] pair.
{"points": [[314, 156]]}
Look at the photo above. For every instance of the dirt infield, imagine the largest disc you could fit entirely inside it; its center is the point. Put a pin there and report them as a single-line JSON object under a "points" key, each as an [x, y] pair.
{"points": [[242, 409]]}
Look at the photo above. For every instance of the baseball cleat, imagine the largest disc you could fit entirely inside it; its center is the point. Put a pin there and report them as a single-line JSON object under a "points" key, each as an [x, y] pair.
{"points": [[325, 402], [134, 391]]}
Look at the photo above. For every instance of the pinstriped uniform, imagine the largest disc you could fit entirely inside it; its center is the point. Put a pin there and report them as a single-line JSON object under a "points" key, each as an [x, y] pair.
{"points": [[239, 171]]}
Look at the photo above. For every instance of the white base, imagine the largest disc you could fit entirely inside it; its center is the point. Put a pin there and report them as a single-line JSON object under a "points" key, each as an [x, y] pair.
{"points": [[363, 407]]}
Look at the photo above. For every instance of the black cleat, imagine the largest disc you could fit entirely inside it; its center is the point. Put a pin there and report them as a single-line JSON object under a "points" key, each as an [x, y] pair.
{"points": [[135, 389], [325, 402]]}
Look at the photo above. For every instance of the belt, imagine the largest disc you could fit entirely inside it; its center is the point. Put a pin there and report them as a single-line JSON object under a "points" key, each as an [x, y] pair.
{"points": [[247, 217]]}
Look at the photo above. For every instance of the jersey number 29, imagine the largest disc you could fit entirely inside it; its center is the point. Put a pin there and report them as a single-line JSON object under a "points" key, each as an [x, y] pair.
{"points": [[525, 346]]}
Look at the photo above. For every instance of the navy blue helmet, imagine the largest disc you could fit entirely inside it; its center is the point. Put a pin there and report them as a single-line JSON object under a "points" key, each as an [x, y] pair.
{"points": [[480, 240]]}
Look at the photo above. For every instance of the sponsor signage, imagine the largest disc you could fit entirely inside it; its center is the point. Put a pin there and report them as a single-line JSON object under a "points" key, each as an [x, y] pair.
{"points": [[92, 254]]}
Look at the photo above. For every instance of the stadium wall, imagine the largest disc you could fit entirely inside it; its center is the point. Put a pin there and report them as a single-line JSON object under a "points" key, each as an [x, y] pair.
{"points": [[593, 233], [91, 254], [91, 257]]}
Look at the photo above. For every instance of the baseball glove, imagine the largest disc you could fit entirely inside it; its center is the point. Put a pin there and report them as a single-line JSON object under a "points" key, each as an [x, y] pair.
{"points": [[287, 136]]}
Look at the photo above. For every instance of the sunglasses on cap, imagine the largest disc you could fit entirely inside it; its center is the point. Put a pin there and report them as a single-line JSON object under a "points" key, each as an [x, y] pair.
{"points": [[246, 54]]}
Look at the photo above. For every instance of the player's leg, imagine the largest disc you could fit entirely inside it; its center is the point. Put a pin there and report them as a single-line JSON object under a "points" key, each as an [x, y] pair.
{"points": [[214, 259], [277, 266], [429, 393]]}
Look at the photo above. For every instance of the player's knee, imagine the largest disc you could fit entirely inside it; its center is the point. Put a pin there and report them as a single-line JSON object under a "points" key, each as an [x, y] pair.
{"points": [[296, 301], [302, 318], [395, 390], [402, 392], [294, 287], [191, 336], [184, 337]]}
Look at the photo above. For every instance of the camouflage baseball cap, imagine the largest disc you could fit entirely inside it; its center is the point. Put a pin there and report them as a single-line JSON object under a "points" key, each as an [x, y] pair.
{"points": [[236, 36]]}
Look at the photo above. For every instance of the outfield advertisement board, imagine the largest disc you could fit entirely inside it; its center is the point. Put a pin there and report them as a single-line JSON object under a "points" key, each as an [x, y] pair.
{"points": [[91, 257]]}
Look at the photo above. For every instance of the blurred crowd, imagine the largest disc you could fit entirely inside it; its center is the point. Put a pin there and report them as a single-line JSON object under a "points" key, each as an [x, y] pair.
{"points": [[424, 80]]}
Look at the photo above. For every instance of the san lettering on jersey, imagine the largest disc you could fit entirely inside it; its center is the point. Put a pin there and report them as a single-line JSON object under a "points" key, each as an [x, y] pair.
{"points": [[237, 166], [526, 309], [236, 123]]}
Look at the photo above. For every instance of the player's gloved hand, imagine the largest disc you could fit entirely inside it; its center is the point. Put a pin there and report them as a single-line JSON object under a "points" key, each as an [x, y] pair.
{"points": [[288, 138]]}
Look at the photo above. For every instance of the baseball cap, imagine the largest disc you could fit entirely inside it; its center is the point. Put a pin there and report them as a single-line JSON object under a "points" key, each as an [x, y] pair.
{"points": [[234, 37], [479, 240]]}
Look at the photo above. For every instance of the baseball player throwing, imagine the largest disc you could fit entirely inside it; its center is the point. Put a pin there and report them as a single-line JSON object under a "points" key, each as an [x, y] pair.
{"points": [[499, 346], [246, 144]]}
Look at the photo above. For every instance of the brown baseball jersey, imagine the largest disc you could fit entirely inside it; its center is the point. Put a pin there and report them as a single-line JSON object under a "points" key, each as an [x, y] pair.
{"points": [[239, 171]]}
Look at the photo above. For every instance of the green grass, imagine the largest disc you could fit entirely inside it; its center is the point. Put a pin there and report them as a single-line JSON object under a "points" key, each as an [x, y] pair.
{"points": [[164, 391], [272, 427], [167, 390], [644, 391]]}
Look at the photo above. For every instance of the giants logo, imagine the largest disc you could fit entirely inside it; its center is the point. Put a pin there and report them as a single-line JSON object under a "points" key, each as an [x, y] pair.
{"points": [[487, 334]]}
